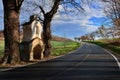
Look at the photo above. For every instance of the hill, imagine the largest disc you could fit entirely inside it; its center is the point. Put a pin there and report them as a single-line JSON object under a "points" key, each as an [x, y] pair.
{"points": [[54, 38], [57, 38]]}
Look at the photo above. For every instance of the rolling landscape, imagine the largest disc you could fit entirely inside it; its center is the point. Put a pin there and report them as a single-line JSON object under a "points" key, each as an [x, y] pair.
{"points": [[60, 40]]}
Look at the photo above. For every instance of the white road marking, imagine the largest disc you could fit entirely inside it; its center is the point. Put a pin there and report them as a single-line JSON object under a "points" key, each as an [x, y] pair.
{"points": [[2, 70], [117, 61], [114, 57]]}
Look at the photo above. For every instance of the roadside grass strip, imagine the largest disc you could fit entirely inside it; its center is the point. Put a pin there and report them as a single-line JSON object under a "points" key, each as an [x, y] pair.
{"points": [[115, 49]]}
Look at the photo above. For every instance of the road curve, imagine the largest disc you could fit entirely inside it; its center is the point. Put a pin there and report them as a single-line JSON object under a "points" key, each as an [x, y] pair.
{"points": [[90, 62]]}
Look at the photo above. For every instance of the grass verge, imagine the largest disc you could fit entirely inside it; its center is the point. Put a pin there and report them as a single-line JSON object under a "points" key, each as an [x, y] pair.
{"points": [[115, 49]]}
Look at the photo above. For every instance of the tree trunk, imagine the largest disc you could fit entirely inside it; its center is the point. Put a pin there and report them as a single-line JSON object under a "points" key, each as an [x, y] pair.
{"points": [[11, 33], [46, 27], [47, 35]]}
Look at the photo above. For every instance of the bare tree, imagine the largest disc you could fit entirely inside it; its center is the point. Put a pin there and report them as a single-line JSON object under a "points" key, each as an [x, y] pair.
{"points": [[79, 39], [92, 36], [113, 12], [84, 38], [103, 32], [11, 30], [75, 38]]}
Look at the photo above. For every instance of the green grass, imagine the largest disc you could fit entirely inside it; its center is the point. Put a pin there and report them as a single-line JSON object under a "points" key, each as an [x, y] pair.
{"points": [[1, 48], [113, 48], [60, 48]]}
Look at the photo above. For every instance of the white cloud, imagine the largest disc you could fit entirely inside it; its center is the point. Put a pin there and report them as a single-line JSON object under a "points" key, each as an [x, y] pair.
{"points": [[80, 22], [83, 19]]}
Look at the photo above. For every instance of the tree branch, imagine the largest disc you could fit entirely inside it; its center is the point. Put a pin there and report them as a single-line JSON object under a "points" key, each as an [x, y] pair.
{"points": [[42, 10], [17, 4], [77, 6], [20, 3], [54, 8], [40, 19]]}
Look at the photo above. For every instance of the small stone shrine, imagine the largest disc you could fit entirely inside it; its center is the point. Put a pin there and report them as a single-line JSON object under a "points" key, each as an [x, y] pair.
{"points": [[32, 46]]}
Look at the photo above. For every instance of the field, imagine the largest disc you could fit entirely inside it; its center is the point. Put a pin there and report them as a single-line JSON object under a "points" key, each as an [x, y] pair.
{"points": [[58, 48]]}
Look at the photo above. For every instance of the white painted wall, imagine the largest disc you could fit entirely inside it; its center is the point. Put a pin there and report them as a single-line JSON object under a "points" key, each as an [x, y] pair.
{"points": [[36, 29]]}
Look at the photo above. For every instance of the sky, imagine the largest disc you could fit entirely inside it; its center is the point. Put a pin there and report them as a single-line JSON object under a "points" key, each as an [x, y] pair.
{"points": [[84, 23], [1, 15], [73, 25]]}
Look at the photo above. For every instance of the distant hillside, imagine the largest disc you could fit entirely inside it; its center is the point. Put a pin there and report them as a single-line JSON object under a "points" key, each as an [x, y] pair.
{"points": [[57, 38], [54, 38]]}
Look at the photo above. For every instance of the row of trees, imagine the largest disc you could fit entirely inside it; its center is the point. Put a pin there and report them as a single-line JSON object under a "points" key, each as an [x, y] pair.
{"points": [[86, 37], [12, 9], [101, 33]]}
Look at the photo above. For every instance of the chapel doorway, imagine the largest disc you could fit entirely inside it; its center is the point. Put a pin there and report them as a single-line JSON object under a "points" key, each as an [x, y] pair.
{"points": [[37, 52]]}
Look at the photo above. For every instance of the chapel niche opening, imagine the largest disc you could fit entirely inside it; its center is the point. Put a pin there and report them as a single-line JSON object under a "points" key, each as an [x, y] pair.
{"points": [[36, 52]]}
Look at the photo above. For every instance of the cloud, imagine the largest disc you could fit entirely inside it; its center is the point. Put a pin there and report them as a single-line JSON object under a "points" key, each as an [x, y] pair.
{"points": [[71, 28], [82, 22]]}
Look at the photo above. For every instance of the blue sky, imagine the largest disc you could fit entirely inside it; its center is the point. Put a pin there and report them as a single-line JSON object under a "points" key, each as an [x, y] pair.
{"points": [[97, 21], [1, 15], [73, 25]]}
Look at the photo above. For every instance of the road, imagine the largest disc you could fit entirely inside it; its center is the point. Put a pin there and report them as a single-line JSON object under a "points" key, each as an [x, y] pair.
{"points": [[90, 62]]}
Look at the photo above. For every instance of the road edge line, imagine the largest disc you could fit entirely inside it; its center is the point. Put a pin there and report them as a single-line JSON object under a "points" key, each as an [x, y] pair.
{"points": [[117, 61]]}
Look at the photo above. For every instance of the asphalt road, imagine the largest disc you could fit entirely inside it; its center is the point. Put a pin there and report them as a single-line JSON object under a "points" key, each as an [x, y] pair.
{"points": [[90, 62]]}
